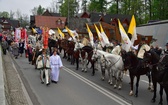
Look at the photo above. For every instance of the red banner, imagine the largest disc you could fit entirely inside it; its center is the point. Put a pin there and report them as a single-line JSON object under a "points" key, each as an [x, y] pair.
{"points": [[45, 37]]}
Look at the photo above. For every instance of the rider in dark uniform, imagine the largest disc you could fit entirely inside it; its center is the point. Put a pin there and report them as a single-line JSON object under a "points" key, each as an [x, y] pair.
{"points": [[166, 50]]}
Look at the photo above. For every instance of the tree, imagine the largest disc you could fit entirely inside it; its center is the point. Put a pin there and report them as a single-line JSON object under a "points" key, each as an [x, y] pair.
{"points": [[54, 6], [97, 5], [68, 8], [4, 14], [11, 15], [34, 11], [40, 10]]}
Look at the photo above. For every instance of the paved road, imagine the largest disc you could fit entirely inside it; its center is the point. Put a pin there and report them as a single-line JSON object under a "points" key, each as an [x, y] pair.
{"points": [[78, 88]]}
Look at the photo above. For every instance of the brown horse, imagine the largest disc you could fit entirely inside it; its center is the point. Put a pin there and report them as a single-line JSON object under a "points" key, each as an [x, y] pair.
{"points": [[136, 68], [159, 68]]}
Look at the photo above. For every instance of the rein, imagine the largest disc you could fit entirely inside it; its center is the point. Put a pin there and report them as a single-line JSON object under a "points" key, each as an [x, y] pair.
{"points": [[114, 62]]}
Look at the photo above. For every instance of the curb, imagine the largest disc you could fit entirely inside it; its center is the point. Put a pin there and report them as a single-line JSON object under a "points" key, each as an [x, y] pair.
{"points": [[2, 84]]}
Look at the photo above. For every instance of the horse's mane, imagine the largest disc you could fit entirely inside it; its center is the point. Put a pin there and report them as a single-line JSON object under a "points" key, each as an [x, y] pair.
{"points": [[87, 47], [134, 58], [155, 56]]}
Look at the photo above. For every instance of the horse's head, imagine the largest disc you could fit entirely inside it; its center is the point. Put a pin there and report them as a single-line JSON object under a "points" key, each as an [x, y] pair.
{"points": [[78, 46], [128, 59], [95, 55], [151, 57]]}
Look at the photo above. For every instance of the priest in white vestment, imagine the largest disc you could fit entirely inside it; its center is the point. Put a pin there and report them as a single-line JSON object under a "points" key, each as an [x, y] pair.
{"points": [[56, 65]]}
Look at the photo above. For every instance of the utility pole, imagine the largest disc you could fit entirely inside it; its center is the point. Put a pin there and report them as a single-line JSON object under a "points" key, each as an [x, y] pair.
{"points": [[68, 14]]}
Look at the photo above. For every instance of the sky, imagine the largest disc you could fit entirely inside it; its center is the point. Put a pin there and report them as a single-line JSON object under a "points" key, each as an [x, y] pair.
{"points": [[24, 6]]}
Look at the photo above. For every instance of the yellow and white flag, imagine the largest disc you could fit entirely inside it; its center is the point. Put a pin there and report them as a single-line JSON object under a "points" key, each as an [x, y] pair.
{"points": [[126, 43], [90, 35], [70, 33], [34, 31], [132, 30], [100, 36], [61, 33], [104, 36]]}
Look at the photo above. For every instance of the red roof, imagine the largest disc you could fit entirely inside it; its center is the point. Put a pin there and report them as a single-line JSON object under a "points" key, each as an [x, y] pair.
{"points": [[50, 21]]}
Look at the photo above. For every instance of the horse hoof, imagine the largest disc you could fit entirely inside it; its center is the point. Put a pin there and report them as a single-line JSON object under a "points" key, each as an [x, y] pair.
{"points": [[111, 83], [115, 86], [149, 88], [85, 71], [92, 74], [136, 95], [102, 79], [119, 88], [131, 93], [76, 68], [153, 100], [82, 70], [160, 103]]}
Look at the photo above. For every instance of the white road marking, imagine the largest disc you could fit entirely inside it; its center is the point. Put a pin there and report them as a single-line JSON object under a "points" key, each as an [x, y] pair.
{"points": [[98, 88]]}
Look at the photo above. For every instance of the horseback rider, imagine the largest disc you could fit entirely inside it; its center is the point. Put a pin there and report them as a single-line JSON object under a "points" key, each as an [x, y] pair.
{"points": [[117, 49], [166, 50], [142, 47]]}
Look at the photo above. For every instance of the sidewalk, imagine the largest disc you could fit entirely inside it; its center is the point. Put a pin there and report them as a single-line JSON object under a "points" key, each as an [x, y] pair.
{"points": [[11, 84]]}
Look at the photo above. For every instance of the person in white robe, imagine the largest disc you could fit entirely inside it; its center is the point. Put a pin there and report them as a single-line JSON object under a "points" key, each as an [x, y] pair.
{"points": [[56, 65]]}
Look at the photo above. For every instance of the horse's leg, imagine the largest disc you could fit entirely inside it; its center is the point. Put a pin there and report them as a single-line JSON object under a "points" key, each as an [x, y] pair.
{"points": [[93, 69], [150, 83], [77, 63], [166, 91], [64, 54], [82, 62], [155, 89], [131, 83], [161, 95], [109, 77], [137, 85], [120, 77], [50, 50], [103, 73], [85, 65]]}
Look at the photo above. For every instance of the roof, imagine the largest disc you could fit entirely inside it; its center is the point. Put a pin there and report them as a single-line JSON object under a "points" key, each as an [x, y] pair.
{"points": [[95, 17], [49, 21], [13, 23]]}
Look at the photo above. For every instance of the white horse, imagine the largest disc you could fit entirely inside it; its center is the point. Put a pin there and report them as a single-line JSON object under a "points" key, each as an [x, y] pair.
{"points": [[114, 65], [78, 46]]}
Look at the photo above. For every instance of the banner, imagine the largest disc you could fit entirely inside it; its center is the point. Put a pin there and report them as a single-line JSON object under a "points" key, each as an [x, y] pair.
{"points": [[45, 37], [70, 33], [132, 30], [17, 34], [100, 36], [126, 43], [23, 33], [61, 33], [90, 35], [104, 36]]}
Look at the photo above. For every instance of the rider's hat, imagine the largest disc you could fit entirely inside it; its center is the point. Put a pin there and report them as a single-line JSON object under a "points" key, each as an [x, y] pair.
{"points": [[166, 44]]}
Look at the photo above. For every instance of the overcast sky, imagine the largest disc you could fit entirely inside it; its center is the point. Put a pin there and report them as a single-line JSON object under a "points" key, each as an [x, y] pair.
{"points": [[24, 6]]}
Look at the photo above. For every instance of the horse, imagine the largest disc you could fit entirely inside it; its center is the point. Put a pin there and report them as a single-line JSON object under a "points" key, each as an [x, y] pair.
{"points": [[70, 51], [52, 43], [159, 68], [114, 64], [136, 68], [64, 45], [86, 53]]}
